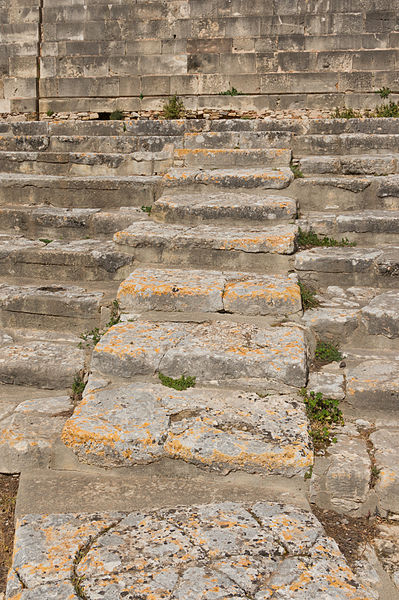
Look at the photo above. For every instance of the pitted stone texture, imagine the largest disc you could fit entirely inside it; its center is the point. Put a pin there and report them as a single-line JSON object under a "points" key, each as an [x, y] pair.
{"points": [[209, 552], [341, 480], [279, 239], [209, 291], [331, 385], [381, 316], [219, 351], [230, 178], [232, 157], [28, 434], [386, 544], [386, 453], [221, 430], [332, 323], [41, 364], [336, 260], [207, 206], [374, 384]]}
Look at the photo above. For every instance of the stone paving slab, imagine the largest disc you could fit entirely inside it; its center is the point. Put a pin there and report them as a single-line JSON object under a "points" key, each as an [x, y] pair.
{"points": [[216, 429], [238, 206], [374, 384], [218, 351], [277, 239], [28, 434], [213, 552], [385, 441], [381, 315], [232, 157], [209, 291], [39, 363], [230, 178]]}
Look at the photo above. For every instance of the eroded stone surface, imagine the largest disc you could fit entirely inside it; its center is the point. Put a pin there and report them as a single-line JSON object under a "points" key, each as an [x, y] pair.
{"points": [[381, 316], [386, 454], [331, 385], [374, 384], [212, 551], [216, 351], [222, 430], [244, 178], [209, 291], [29, 430]]}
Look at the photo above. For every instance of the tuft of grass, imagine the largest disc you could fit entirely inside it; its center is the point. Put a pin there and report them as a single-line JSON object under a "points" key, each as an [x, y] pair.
{"points": [[174, 108], [296, 171], [390, 110], [78, 387], [308, 296], [45, 241], [147, 209], [384, 92], [345, 113], [116, 115], [114, 317], [323, 414], [230, 92], [183, 383], [374, 476], [326, 353], [91, 338], [311, 239], [50, 112]]}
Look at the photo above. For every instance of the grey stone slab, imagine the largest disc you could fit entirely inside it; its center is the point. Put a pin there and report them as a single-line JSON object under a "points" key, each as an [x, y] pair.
{"points": [[374, 384], [337, 260], [220, 351], [386, 454], [381, 315], [332, 323], [230, 178], [331, 385], [143, 423], [232, 157], [202, 551]]}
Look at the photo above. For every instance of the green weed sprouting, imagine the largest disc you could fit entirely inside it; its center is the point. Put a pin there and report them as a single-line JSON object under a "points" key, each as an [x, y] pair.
{"points": [[183, 383], [311, 239], [326, 353], [174, 108], [308, 296], [323, 414]]}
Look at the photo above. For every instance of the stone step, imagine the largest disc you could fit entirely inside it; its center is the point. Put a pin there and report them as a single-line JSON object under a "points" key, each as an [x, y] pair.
{"points": [[229, 178], [223, 548], [225, 207], [81, 260], [237, 139], [362, 164], [209, 246], [342, 144], [67, 223], [78, 192], [184, 290], [237, 354], [321, 267], [373, 384], [367, 227], [143, 423], [211, 158], [85, 163], [39, 363], [49, 307]]}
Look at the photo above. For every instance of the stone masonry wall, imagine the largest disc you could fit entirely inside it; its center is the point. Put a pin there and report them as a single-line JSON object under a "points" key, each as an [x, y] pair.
{"points": [[98, 55]]}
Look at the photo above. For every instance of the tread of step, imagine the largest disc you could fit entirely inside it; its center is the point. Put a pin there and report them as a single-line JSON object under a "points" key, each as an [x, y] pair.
{"points": [[226, 206], [71, 192], [218, 351], [83, 260], [43, 364], [232, 157], [184, 290], [103, 144], [230, 178], [361, 164], [49, 307], [209, 245], [67, 223]]}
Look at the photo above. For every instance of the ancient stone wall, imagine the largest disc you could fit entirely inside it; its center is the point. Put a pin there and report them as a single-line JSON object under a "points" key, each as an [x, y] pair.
{"points": [[99, 55]]}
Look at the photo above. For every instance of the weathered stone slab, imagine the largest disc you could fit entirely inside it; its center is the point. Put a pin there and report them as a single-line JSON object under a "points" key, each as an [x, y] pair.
{"points": [[333, 323], [220, 351], [200, 207], [386, 454], [374, 384], [331, 385], [209, 291], [220, 430], [230, 178], [208, 551], [232, 157], [41, 364], [381, 316], [336, 260], [28, 434]]}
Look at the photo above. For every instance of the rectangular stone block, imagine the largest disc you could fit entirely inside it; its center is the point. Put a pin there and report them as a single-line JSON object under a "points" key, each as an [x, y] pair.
{"points": [[15, 87]]}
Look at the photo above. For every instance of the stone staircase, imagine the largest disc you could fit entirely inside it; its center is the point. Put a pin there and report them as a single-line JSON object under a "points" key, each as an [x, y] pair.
{"points": [[192, 233]]}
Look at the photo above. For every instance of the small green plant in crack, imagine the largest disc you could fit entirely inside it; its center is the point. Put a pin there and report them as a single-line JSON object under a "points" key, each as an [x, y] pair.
{"points": [[390, 110], [374, 476], [309, 473], [45, 241], [345, 113], [183, 383], [91, 338], [147, 209], [384, 92], [296, 170], [231, 92], [308, 296], [50, 112], [115, 315], [116, 115], [323, 414], [311, 239], [174, 108], [78, 387], [327, 353]]}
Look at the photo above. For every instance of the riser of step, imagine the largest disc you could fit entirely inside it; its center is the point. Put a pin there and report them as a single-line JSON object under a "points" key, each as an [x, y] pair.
{"points": [[266, 249], [84, 260], [365, 228], [350, 165], [67, 224], [83, 164], [224, 207], [348, 267], [228, 158], [239, 140], [344, 144], [78, 192], [373, 384], [251, 178]]}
